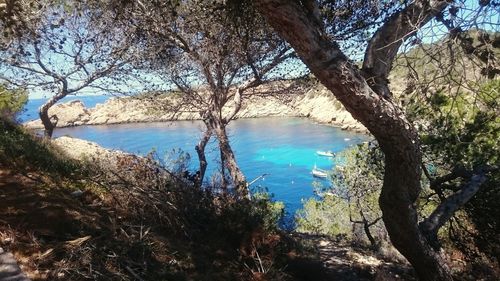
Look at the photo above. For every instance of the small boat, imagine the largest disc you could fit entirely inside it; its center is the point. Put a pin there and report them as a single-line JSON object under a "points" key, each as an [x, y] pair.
{"points": [[325, 153], [319, 173], [325, 194]]}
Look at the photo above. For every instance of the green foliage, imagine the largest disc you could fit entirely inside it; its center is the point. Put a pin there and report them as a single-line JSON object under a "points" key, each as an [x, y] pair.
{"points": [[450, 98], [23, 151], [356, 184], [271, 212], [327, 216], [359, 171], [177, 161], [11, 101], [462, 129]]}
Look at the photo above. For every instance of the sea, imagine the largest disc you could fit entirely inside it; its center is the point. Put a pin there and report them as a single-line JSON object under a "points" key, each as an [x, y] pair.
{"points": [[279, 152]]}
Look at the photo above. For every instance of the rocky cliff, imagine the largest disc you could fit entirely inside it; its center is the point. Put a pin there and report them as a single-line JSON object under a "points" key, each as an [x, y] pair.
{"points": [[317, 103], [106, 163]]}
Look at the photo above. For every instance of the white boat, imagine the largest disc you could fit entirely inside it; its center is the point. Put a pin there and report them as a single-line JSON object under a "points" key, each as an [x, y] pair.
{"points": [[325, 153], [325, 194], [319, 173]]}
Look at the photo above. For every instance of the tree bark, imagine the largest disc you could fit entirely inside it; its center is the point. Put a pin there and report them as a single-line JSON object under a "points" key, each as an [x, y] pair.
{"points": [[366, 227], [237, 176], [385, 120], [223, 171], [43, 112], [48, 125], [200, 150], [384, 45]]}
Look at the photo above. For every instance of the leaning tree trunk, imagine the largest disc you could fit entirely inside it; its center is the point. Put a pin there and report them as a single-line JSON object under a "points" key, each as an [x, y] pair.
{"points": [[223, 177], [385, 120], [200, 150], [237, 176], [43, 112], [48, 125]]}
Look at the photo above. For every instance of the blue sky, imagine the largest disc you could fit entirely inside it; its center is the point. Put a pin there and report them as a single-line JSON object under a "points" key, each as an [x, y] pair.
{"points": [[430, 33]]}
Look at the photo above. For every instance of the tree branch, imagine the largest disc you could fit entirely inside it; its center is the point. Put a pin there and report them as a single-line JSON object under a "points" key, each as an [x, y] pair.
{"points": [[384, 45], [451, 204], [457, 172], [43, 66]]}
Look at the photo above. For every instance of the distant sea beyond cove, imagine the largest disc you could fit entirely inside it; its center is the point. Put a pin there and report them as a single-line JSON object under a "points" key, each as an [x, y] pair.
{"points": [[31, 109]]}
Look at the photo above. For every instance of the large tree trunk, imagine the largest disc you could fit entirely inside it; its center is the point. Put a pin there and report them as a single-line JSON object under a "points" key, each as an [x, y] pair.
{"points": [[384, 119], [237, 176], [400, 216]]}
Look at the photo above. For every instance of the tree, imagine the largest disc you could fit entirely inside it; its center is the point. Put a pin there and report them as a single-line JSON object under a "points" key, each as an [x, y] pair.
{"points": [[215, 61], [69, 49], [366, 95], [358, 180], [459, 128], [451, 98], [12, 102], [15, 17], [351, 199]]}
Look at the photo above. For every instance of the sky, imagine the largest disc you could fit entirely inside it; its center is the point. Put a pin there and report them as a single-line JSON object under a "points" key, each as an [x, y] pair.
{"points": [[432, 32]]}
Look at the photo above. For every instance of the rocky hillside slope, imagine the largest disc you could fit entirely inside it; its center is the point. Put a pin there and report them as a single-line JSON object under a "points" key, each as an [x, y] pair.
{"points": [[317, 103]]}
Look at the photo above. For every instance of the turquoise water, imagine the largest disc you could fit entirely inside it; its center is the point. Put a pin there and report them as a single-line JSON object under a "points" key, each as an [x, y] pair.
{"points": [[283, 148]]}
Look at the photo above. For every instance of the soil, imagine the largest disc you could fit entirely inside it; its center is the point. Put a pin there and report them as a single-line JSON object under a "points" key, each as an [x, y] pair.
{"points": [[36, 222], [338, 260]]}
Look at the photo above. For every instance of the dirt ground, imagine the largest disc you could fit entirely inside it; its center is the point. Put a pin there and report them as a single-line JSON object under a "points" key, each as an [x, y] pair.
{"points": [[37, 222]]}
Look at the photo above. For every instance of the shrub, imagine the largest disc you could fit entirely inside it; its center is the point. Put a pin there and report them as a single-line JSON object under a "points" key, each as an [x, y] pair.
{"points": [[12, 102], [23, 151], [326, 216], [349, 206]]}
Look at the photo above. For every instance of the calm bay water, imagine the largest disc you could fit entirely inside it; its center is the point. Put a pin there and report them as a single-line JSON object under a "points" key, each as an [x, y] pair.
{"points": [[283, 148]]}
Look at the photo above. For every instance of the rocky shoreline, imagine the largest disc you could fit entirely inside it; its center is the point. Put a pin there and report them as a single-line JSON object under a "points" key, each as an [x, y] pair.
{"points": [[317, 104], [114, 165]]}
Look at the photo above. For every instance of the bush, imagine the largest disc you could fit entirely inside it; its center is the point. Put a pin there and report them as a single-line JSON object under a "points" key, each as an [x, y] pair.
{"points": [[326, 216], [12, 102], [215, 234], [24, 151], [349, 206]]}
